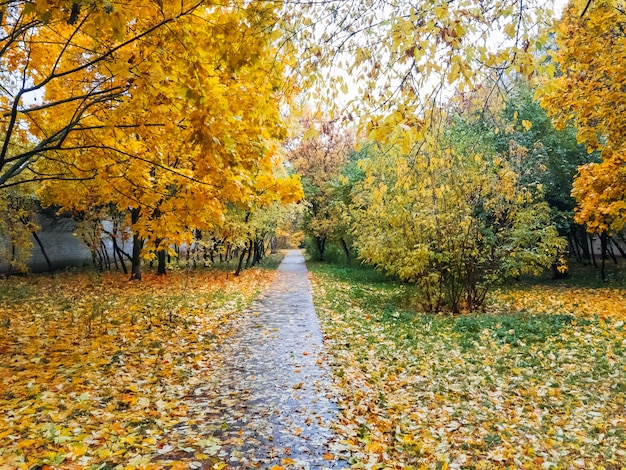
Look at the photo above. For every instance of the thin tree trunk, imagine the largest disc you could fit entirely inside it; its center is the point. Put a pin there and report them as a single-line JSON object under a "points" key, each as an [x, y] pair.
{"points": [[135, 271], [107, 258], [346, 250], [240, 265], [115, 255], [43, 251], [619, 248], [121, 253], [250, 252], [257, 253], [604, 253], [591, 252], [583, 243], [609, 249]]}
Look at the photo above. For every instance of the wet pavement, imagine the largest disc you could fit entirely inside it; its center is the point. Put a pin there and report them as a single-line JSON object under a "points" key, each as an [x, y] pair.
{"points": [[270, 401]]}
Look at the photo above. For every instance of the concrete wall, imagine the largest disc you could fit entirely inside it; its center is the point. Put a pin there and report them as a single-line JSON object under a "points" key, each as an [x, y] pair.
{"points": [[62, 247]]}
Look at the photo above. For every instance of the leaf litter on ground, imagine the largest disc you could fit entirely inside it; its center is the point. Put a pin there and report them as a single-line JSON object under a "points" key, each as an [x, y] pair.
{"points": [[539, 382], [98, 372]]}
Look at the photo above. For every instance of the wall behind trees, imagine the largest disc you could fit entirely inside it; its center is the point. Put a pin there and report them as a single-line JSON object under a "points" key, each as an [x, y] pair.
{"points": [[61, 246]]}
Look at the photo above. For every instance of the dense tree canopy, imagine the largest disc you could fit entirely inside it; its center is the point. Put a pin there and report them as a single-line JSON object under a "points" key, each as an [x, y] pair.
{"points": [[590, 92], [169, 112], [454, 217], [173, 112]]}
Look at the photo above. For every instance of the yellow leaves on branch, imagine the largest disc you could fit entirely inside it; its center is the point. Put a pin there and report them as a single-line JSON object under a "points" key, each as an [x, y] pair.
{"points": [[172, 110], [590, 92]]}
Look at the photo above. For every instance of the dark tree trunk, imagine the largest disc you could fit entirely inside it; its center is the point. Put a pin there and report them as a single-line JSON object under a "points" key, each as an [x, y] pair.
{"points": [[346, 250], [250, 253], [43, 251], [619, 248], [240, 265], [259, 252], [115, 256], [591, 252], [161, 262], [105, 252], [609, 249], [121, 253], [582, 239], [604, 253], [321, 246], [135, 270]]}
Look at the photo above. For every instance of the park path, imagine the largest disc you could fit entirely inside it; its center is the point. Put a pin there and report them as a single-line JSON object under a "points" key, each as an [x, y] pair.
{"points": [[270, 401]]}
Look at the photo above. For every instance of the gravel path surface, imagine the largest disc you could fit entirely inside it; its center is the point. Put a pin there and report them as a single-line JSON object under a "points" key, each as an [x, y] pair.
{"points": [[270, 402]]}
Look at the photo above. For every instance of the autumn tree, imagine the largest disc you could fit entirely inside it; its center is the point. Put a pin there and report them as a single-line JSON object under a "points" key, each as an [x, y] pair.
{"points": [[552, 159], [590, 93], [73, 60], [195, 132], [319, 155], [452, 217], [402, 58]]}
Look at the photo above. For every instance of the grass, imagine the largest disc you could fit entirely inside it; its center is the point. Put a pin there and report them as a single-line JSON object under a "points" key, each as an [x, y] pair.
{"points": [[537, 382]]}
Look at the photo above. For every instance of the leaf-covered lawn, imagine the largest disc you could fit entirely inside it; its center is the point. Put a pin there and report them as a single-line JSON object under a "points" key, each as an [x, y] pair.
{"points": [[96, 371], [538, 383]]}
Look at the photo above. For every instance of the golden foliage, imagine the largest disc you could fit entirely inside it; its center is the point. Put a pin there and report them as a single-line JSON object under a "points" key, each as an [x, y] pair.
{"points": [[590, 92]]}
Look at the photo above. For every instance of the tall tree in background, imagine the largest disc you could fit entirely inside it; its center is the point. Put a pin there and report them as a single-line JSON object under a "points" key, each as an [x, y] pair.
{"points": [[320, 155]]}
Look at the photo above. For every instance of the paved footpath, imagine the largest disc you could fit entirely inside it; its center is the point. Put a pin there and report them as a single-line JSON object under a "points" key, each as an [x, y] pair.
{"points": [[275, 405]]}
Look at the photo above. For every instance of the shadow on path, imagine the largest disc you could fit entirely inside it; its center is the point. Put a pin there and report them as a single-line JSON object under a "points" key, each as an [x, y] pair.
{"points": [[269, 402]]}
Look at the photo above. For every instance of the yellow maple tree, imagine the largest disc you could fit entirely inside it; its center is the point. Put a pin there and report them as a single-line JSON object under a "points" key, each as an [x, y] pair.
{"points": [[171, 125], [590, 92]]}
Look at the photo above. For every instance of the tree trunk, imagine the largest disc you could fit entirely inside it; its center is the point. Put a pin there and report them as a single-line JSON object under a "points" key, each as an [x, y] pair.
{"points": [[161, 262], [250, 253], [346, 250], [135, 270], [321, 247], [43, 251], [583, 243], [619, 248], [258, 252], [603, 253], [240, 265], [105, 252], [121, 253], [592, 253]]}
